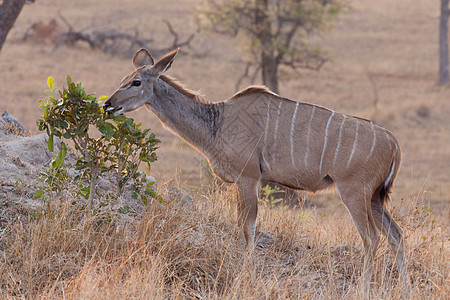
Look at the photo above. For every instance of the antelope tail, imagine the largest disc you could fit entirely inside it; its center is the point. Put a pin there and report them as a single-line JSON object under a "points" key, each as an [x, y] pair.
{"points": [[385, 187]]}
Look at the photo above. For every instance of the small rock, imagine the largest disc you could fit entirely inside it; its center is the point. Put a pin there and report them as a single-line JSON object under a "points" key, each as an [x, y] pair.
{"points": [[182, 195], [343, 250], [8, 118], [423, 111], [265, 239]]}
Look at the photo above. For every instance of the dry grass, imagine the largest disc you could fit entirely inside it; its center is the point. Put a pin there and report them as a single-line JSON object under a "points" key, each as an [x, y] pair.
{"points": [[191, 252], [179, 252], [388, 47]]}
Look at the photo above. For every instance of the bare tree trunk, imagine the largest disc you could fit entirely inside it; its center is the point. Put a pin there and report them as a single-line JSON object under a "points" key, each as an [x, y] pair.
{"points": [[268, 63], [269, 69], [443, 43], [9, 11]]}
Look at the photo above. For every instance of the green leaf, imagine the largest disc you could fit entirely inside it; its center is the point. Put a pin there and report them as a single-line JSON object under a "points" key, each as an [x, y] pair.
{"points": [[79, 168], [84, 191], [144, 200], [51, 91], [50, 82], [120, 118], [63, 124], [123, 210], [50, 143], [58, 160], [102, 98], [38, 194]]}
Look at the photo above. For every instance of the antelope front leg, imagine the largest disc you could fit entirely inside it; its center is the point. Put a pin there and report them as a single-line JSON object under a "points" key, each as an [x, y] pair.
{"points": [[247, 210]]}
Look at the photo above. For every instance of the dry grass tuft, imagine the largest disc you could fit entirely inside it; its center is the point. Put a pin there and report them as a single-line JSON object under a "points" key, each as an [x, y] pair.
{"points": [[177, 251], [11, 128]]}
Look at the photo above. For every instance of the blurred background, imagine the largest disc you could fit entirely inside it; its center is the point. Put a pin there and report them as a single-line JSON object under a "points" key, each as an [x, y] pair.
{"points": [[374, 59]]}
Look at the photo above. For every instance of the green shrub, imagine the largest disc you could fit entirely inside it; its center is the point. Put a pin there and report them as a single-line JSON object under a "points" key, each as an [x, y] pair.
{"points": [[120, 149]]}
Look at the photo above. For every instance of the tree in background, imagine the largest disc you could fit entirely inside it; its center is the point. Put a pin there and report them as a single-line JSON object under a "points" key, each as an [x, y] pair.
{"points": [[443, 43], [9, 11], [277, 31]]}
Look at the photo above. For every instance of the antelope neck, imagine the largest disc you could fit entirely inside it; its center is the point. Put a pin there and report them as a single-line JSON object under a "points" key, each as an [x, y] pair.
{"points": [[194, 121]]}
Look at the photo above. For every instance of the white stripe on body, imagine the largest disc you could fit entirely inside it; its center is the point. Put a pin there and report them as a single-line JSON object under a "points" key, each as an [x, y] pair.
{"points": [[292, 135], [264, 151], [325, 142], [373, 142], [354, 144], [339, 140], [267, 123], [276, 122], [389, 177], [307, 137], [391, 171], [388, 138]]}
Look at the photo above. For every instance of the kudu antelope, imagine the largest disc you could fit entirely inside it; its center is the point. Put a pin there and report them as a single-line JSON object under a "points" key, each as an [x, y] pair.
{"points": [[257, 135]]}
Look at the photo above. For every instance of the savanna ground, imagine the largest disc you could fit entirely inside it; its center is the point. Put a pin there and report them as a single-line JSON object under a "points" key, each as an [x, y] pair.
{"points": [[381, 51]]}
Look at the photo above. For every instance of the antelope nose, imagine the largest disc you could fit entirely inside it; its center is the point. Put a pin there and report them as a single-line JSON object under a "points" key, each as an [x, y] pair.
{"points": [[107, 106]]}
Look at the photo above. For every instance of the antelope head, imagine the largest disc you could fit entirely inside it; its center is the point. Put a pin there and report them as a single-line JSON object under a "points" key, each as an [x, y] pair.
{"points": [[137, 88]]}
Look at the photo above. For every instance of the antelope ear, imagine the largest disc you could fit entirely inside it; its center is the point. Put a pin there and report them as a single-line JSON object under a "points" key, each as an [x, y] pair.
{"points": [[142, 58], [165, 63]]}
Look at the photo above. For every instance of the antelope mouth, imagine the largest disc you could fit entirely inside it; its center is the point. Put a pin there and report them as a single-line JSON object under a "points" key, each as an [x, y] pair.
{"points": [[117, 110]]}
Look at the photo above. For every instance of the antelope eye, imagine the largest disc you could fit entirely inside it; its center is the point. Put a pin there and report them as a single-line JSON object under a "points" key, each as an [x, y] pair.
{"points": [[136, 83]]}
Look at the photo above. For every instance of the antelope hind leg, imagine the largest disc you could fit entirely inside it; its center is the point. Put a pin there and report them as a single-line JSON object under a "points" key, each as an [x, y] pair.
{"points": [[359, 207], [394, 235]]}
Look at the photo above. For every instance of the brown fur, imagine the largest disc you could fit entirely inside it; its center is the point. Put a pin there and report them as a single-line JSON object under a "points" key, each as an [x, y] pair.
{"points": [[182, 89], [254, 89], [258, 136]]}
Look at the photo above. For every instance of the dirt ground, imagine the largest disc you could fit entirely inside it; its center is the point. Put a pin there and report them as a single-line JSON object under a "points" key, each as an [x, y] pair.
{"points": [[381, 51]]}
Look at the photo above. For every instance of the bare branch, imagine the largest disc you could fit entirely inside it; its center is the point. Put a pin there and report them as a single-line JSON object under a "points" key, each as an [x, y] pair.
{"points": [[371, 76], [311, 62], [72, 37], [288, 39], [247, 75], [244, 75], [115, 42], [60, 15], [176, 43], [255, 74], [172, 32]]}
